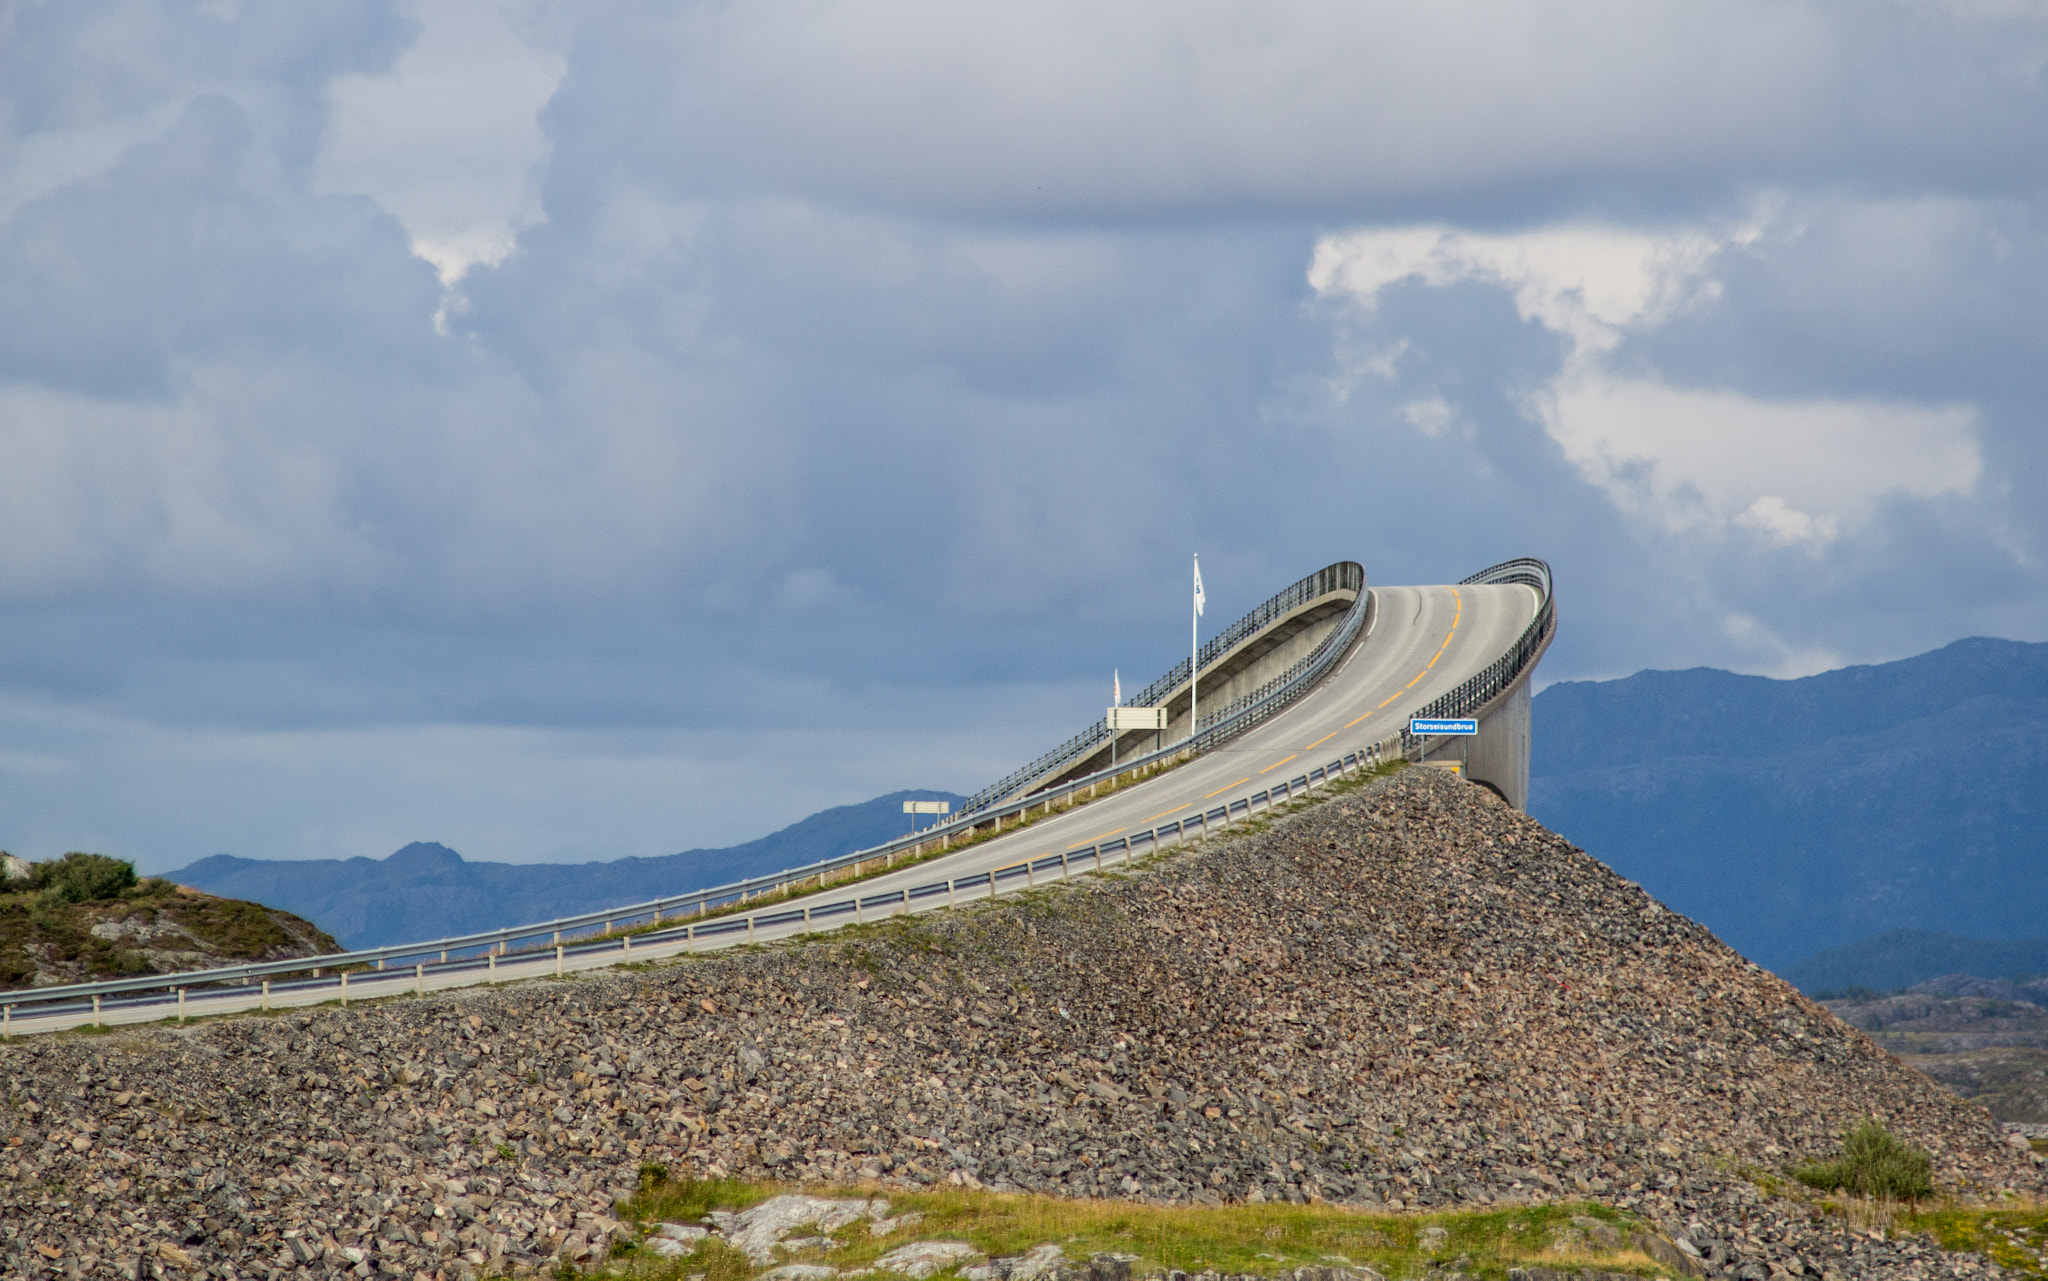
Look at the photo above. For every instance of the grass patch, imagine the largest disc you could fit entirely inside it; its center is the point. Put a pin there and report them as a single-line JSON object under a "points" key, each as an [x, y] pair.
{"points": [[2016, 1239], [1873, 1164], [1258, 1239]]}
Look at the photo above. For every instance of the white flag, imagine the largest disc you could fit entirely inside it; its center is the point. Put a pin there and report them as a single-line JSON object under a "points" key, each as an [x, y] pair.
{"points": [[1116, 685], [1200, 596]]}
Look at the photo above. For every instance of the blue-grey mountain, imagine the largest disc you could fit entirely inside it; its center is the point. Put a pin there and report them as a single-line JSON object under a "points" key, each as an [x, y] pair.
{"points": [[1796, 816], [428, 891], [1899, 959]]}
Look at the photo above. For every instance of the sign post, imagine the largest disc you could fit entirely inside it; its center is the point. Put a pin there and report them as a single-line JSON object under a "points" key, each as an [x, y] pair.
{"points": [[926, 807], [1422, 728], [1123, 718]]}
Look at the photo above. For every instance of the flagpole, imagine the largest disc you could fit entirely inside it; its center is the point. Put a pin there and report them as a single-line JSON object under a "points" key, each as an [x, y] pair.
{"points": [[1195, 652], [1116, 697]]}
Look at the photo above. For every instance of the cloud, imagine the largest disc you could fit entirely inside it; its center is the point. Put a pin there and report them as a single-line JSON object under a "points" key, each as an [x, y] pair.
{"points": [[449, 139], [1795, 471], [416, 413], [1061, 110]]}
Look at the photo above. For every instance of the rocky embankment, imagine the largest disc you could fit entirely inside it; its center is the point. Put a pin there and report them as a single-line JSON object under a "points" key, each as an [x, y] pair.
{"points": [[1407, 997], [153, 928]]}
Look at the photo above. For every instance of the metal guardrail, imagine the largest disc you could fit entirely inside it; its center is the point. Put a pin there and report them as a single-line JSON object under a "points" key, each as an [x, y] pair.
{"points": [[491, 947], [1226, 723], [1345, 575], [1499, 676], [200, 992]]}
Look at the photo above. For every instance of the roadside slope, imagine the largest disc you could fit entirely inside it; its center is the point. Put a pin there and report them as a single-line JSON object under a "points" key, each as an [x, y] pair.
{"points": [[1406, 996]]}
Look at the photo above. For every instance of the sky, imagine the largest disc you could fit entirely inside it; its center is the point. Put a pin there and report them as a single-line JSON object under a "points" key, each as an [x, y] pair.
{"points": [[571, 431]]}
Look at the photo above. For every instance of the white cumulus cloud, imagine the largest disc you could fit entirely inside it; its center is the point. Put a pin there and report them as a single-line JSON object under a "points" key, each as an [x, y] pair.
{"points": [[1794, 470]]}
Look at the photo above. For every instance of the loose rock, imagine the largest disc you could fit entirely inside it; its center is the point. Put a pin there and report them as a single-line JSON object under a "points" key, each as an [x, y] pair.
{"points": [[1408, 997]]}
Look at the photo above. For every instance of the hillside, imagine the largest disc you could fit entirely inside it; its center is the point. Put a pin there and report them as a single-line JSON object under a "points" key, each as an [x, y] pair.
{"points": [[1803, 815], [126, 927], [428, 891], [1986, 1039], [1406, 997]]}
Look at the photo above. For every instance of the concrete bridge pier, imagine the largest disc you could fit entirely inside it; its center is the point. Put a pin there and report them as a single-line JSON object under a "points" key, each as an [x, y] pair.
{"points": [[1498, 756]]}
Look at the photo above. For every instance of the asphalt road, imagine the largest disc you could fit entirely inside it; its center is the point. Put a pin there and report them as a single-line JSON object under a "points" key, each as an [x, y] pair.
{"points": [[1422, 642]]}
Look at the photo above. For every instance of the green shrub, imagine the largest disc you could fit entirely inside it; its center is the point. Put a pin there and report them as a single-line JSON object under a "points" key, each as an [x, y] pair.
{"points": [[81, 878], [1873, 1164]]}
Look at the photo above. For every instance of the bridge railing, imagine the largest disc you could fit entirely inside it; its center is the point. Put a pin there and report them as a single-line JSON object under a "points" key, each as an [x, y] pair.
{"points": [[1342, 576], [385, 965], [1499, 676], [226, 989], [1217, 727]]}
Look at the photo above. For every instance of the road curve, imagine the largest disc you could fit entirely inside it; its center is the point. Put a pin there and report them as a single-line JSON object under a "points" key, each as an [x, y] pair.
{"points": [[1422, 642]]}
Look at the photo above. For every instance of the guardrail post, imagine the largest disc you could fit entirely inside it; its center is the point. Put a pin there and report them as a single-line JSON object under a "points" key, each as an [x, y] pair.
{"points": [[6, 1020], [266, 994], [344, 995], [95, 1009], [419, 978], [1028, 882], [949, 892], [558, 960], [750, 929], [491, 962], [181, 1000], [444, 956], [628, 940]]}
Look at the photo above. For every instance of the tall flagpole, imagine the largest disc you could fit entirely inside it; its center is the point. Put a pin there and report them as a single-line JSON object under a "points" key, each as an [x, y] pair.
{"points": [[1195, 654]]}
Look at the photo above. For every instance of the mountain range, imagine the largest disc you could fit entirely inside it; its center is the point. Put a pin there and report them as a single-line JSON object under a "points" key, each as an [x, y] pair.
{"points": [[1900, 959], [1799, 816], [1875, 826], [428, 891]]}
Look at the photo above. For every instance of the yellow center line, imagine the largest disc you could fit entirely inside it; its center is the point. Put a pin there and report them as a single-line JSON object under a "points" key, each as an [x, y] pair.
{"points": [[1162, 813], [1363, 717], [1277, 764], [1457, 616], [1227, 786], [1319, 742], [1091, 840]]}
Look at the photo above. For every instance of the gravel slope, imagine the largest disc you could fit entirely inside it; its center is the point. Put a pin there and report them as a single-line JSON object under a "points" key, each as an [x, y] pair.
{"points": [[1409, 996]]}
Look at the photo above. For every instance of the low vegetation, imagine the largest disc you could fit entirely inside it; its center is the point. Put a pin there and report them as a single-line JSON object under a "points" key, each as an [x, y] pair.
{"points": [[87, 916], [2015, 1239], [1241, 1239], [1873, 1163]]}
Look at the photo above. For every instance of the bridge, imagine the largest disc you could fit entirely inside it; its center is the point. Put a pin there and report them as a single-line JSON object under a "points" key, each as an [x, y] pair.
{"points": [[1316, 684]]}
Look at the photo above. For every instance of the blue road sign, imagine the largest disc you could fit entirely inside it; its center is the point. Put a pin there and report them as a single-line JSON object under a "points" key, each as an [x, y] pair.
{"points": [[1420, 726]]}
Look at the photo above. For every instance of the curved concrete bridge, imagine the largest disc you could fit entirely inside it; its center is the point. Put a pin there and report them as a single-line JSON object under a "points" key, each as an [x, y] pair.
{"points": [[1319, 682]]}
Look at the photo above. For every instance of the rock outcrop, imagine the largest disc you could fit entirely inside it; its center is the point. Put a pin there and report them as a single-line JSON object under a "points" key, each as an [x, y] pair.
{"points": [[155, 928], [1406, 997]]}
